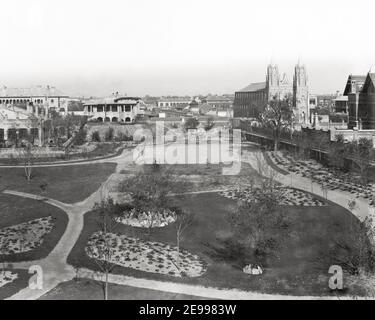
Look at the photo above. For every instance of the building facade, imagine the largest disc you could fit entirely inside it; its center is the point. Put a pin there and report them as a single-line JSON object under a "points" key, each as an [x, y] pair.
{"points": [[39, 96], [341, 104], [252, 100], [353, 90], [17, 124], [113, 109], [174, 102]]}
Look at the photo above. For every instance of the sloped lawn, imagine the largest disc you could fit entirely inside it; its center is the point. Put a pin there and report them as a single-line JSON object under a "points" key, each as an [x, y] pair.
{"points": [[313, 230], [42, 223], [68, 184], [17, 284]]}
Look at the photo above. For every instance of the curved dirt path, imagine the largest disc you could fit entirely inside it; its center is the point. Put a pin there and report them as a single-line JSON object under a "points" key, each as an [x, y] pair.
{"points": [[54, 266], [342, 198]]}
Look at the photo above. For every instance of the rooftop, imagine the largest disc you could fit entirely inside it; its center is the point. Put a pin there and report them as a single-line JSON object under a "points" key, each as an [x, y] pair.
{"points": [[37, 91], [256, 86], [112, 100]]}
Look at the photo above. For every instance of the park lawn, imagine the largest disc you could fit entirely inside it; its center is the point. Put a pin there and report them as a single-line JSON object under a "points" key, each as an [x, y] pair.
{"points": [[296, 273], [15, 210], [197, 177], [211, 169], [70, 183], [87, 289], [18, 284]]}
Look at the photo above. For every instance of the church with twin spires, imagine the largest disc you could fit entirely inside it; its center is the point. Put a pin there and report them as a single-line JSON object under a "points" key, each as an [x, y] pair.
{"points": [[251, 100]]}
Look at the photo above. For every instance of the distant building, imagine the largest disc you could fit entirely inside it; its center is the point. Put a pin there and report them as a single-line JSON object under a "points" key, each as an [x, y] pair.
{"points": [[353, 90], [17, 124], [341, 104], [113, 109], [173, 102], [218, 101], [252, 100], [42, 97]]}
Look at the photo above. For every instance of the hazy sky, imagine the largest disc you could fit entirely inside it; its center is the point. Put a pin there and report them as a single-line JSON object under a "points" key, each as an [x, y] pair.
{"points": [[162, 47]]}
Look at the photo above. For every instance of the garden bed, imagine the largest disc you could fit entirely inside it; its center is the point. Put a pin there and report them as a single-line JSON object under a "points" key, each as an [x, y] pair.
{"points": [[149, 256], [148, 219], [6, 277], [38, 238], [289, 196], [326, 177], [25, 236]]}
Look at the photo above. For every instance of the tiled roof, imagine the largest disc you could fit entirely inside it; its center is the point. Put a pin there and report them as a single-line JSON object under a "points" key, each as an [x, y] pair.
{"points": [[112, 100], [372, 77], [175, 99], [38, 91], [257, 86], [217, 98]]}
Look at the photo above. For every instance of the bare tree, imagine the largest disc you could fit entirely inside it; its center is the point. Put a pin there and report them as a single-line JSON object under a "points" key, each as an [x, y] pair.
{"points": [[102, 251], [361, 152], [150, 192], [277, 115], [27, 156], [183, 222]]}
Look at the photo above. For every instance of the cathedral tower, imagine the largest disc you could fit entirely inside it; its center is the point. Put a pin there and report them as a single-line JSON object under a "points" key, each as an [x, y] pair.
{"points": [[300, 94], [272, 81]]}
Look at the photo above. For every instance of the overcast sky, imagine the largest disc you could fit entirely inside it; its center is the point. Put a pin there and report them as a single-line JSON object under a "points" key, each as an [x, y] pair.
{"points": [[161, 47]]}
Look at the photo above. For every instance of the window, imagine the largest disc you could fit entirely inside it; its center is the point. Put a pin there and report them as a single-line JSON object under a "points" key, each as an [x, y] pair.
{"points": [[51, 100], [127, 108]]}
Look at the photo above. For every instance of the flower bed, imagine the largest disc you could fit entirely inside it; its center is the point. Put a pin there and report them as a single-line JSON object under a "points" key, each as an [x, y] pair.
{"points": [[324, 176], [148, 219], [146, 256], [7, 277], [289, 196], [25, 236]]}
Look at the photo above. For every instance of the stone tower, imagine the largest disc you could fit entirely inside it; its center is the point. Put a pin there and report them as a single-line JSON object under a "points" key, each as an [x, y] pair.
{"points": [[272, 81], [300, 94]]}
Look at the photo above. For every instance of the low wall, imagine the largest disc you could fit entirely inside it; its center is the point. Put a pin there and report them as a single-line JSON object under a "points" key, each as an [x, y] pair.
{"points": [[351, 135], [45, 152]]}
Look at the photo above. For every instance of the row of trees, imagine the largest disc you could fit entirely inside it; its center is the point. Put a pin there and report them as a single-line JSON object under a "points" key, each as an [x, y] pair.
{"points": [[277, 119]]}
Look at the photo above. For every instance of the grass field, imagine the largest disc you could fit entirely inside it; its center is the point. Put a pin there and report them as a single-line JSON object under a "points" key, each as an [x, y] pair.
{"points": [[313, 231], [15, 210], [87, 289], [18, 284], [64, 183]]}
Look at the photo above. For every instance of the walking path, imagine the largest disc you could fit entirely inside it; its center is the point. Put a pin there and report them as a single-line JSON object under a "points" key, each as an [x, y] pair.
{"points": [[54, 266], [56, 269], [342, 198]]}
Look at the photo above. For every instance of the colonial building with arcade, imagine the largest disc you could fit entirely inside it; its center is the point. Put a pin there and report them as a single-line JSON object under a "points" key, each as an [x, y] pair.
{"points": [[112, 109], [39, 97]]}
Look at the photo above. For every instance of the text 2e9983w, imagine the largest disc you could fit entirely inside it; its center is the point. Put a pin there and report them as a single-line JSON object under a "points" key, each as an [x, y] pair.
{"points": [[191, 309]]}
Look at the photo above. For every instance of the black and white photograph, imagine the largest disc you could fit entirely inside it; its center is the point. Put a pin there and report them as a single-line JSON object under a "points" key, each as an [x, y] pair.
{"points": [[201, 151]]}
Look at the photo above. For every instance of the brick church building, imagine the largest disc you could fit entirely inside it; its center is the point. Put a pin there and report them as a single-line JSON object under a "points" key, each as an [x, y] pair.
{"points": [[251, 100]]}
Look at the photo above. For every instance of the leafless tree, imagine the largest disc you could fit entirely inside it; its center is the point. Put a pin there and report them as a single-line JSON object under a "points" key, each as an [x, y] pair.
{"points": [[27, 156], [277, 115], [103, 252], [183, 222]]}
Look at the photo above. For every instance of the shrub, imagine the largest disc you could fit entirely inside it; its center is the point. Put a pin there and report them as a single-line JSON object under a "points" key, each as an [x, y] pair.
{"points": [[80, 138], [109, 134], [191, 123], [95, 136], [121, 136]]}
